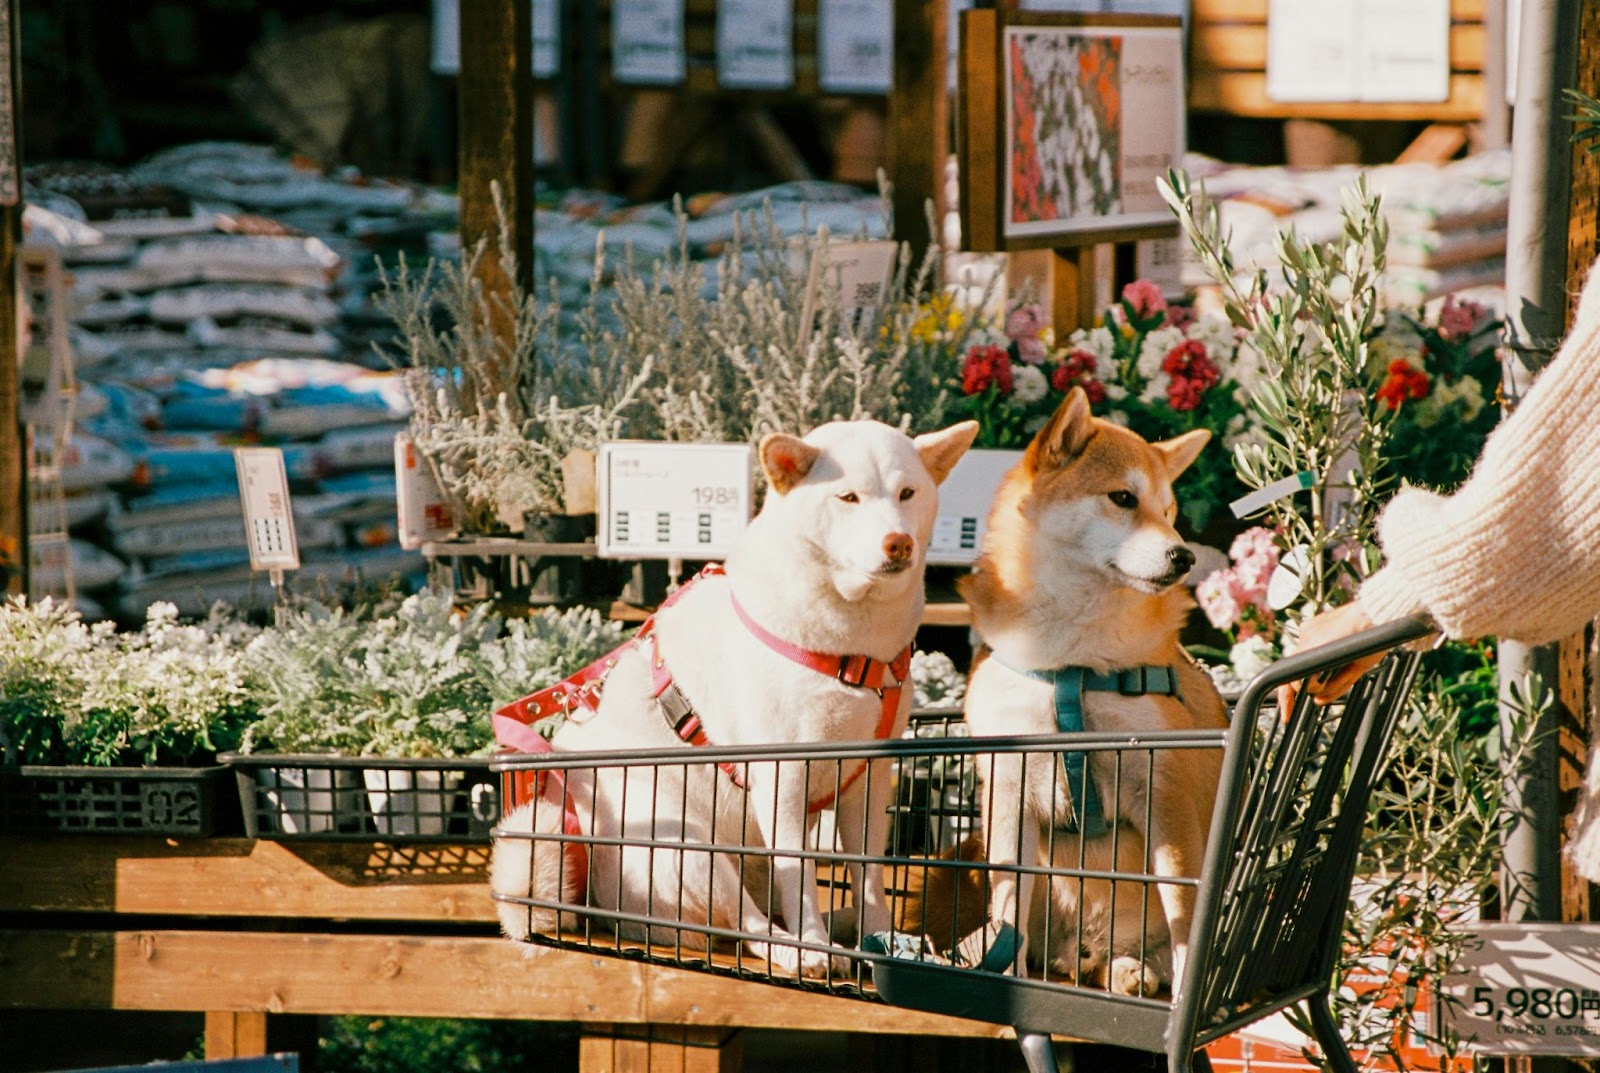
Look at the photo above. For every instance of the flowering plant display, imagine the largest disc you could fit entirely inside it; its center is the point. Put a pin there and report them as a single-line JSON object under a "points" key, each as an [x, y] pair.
{"points": [[1159, 369], [1234, 600], [1436, 370]]}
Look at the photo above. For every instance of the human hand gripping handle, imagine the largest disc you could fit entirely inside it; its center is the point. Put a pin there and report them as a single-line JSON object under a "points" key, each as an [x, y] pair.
{"points": [[1324, 629]]}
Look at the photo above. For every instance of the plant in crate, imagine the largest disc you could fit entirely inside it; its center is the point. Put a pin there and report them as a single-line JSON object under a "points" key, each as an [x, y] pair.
{"points": [[1332, 414]]}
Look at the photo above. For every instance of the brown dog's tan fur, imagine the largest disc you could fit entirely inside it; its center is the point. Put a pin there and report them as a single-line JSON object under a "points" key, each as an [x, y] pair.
{"points": [[1080, 567]]}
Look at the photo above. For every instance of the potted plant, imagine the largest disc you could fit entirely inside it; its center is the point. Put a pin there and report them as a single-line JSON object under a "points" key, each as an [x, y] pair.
{"points": [[396, 698], [118, 731]]}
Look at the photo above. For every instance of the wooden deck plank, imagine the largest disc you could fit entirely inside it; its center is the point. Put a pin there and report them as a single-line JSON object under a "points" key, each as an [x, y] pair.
{"points": [[1223, 47], [1245, 93]]}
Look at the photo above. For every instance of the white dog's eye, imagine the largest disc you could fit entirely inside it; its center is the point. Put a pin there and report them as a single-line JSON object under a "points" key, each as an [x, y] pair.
{"points": [[907, 493], [1124, 499], [849, 497]]}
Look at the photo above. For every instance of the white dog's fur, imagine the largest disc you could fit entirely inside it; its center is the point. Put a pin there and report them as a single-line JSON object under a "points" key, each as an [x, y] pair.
{"points": [[1081, 567], [833, 564]]}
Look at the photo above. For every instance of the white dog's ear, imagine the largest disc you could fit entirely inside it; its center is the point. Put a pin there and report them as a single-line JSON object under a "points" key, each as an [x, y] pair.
{"points": [[1063, 437], [1181, 451], [940, 451], [786, 460]]}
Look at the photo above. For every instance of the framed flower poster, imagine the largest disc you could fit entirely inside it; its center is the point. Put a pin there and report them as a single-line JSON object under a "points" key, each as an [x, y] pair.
{"points": [[1067, 122]]}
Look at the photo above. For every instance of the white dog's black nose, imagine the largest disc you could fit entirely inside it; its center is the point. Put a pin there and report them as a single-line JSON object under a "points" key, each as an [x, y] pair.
{"points": [[1181, 558]]}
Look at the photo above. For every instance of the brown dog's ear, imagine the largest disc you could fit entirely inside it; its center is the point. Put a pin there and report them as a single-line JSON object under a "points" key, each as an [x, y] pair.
{"points": [[1063, 437], [1181, 451], [940, 451], [786, 460]]}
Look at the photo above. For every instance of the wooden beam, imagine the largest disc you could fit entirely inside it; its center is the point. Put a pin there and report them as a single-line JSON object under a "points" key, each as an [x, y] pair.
{"points": [[919, 119], [495, 124], [13, 456], [412, 976], [235, 1034], [1244, 93]]}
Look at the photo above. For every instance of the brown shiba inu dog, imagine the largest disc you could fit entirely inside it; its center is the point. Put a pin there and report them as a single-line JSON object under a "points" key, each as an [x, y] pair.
{"points": [[1080, 578]]}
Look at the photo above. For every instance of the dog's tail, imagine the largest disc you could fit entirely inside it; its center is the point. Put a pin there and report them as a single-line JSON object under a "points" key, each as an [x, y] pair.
{"points": [[533, 865]]}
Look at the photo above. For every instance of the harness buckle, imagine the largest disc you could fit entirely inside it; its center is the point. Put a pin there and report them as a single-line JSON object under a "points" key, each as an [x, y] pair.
{"points": [[1131, 683], [675, 707], [853, 670]]}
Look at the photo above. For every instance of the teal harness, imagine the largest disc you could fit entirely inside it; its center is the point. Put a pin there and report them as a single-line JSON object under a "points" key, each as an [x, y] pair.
{"points": [[1070, 684]]}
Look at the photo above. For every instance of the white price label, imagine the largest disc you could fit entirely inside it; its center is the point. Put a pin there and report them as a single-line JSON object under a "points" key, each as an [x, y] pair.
{"points": [[964, 501], [1372, 50], [673, 500], [647, 42], [855, 46], [1527, 989], [755, 44], [424, 513], [859, 274], [268, 513]]}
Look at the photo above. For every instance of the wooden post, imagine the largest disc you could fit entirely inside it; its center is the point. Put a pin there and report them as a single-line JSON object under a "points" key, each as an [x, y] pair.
{"points": [[919, 119], [1578, 900], [13, 457], [659, 1049], [235, 1034], [1072, 297], [495, 102]]}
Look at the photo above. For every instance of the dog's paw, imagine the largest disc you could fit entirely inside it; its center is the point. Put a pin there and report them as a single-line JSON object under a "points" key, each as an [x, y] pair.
{"points": [[787, 960], [1130, 976]]}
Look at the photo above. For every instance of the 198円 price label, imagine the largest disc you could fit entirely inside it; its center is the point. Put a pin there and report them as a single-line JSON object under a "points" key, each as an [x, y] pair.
{"points": [[1527, 989], [673, 500]]}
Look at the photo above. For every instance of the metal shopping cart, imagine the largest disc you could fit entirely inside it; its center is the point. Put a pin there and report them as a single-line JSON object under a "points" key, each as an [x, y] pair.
{"points": [[1268, 906]]}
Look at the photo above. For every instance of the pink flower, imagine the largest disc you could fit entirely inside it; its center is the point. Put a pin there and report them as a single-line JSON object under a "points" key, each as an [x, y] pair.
{"points": [[983, 366], [1221, 598], [1025, 322], [1457, 320], [1180, 317], [1030, 351], [1255, 557], [1144, 299]]}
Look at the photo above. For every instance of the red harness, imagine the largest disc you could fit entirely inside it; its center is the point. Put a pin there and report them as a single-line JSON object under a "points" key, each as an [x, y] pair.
{"points": [[513, 724]]}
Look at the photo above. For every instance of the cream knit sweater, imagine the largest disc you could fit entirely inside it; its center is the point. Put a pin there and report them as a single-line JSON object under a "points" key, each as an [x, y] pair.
{"points": [[1515, 552]]}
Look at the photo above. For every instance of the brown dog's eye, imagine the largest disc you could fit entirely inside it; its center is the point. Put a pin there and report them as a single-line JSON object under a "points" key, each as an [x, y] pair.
{"points": [[1125, 500], [907, 493], [849, 497]]}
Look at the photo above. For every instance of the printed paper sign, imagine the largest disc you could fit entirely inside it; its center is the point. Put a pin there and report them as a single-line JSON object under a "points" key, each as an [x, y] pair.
{"points": [[1372, 50], [855, 46], [546, 39], [858, 273], [673, 500], [268, 513], [1093, 116], [755, 44], [424, 513], [1528, 989], [964, 501], [647, 42]]}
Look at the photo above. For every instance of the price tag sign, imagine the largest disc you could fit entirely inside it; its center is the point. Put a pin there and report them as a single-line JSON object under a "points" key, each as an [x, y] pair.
{"points": [[1527, 989], [755, 44], [268, 514], [424, 513], [647, 42], [855, 46], [964, 501], [859, 273], [673, 500]]}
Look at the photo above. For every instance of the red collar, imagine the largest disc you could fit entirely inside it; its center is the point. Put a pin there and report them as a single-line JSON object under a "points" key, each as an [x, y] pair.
{"points": [[863, 672]]}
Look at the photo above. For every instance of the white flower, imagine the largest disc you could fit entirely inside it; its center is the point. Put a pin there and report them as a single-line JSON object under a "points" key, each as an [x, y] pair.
{"points": [[1216, 334], [1115, 392], [1099, 342], [1156, 389], [1251, 656], [1154, 350], [1028, 384]]}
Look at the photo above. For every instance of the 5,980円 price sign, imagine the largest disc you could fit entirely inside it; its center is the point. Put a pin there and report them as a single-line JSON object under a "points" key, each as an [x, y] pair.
{"points": [[673, 500], [1527, 989]]}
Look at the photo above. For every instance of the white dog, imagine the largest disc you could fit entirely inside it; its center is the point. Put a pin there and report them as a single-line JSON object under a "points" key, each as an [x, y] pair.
{"points": [[805, 638]]}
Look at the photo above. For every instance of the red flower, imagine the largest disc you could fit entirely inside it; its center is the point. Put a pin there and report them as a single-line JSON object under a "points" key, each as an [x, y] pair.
{"points": [[986, 365], [1405, 381], [1192, 373], [1078, 369]]}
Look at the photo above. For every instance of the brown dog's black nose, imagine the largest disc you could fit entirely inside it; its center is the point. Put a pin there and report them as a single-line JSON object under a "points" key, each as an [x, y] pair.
{"points": [[1181, 558], [897, 547]]}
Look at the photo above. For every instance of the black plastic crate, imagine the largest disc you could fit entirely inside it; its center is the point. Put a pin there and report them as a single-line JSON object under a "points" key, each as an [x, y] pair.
{"points": [[332, 798], [113, 800]]}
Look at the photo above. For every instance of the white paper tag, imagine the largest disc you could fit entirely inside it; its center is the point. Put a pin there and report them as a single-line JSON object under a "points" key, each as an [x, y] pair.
{"points": [[1288, 486], [673, 500], [855, 46], [964, 501], [1288, 579], [268, 513], [860, 273], [755, 44], [1527, 989], [424, 513], [647, 42]]}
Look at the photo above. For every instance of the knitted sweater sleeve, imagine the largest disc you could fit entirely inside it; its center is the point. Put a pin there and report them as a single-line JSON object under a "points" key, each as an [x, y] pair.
{"points": [[1515, 552]]}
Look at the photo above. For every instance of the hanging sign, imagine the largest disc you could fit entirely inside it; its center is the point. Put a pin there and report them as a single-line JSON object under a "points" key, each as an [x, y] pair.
{"points": [[964, 501], [755, 44], [647, 42], [1369, 51], [1527, 989], [546, 39], [855, 46], [673, 500], [424, 513], [268, 513]]}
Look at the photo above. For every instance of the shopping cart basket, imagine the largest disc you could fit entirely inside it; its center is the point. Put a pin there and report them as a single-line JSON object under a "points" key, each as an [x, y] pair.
{"points": [[1268, 909]]}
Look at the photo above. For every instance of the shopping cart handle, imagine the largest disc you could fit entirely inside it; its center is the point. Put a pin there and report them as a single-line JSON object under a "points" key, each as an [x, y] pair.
{"points": [[1335, 654]]}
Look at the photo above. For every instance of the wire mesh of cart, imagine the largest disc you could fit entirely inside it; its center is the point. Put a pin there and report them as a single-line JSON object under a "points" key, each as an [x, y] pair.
{"points": [[665, 856]]}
